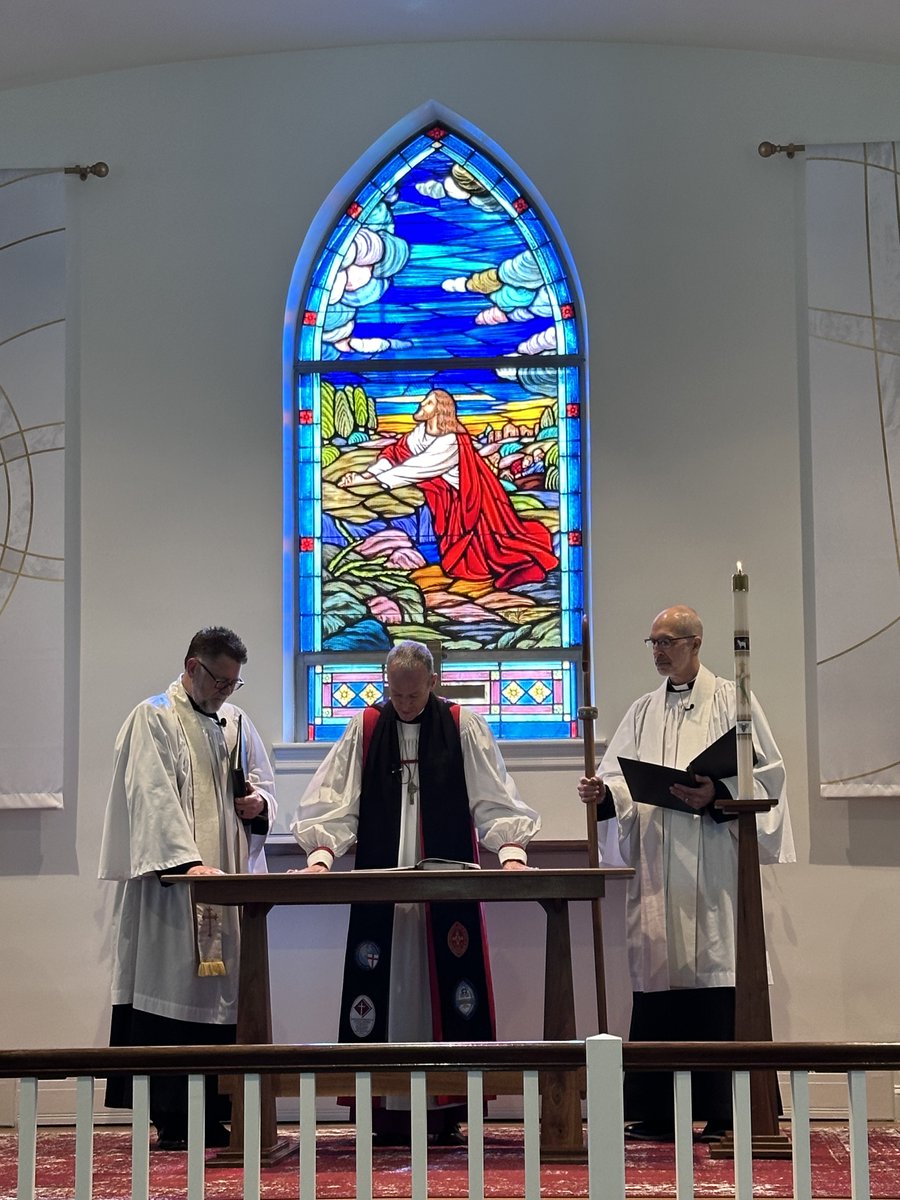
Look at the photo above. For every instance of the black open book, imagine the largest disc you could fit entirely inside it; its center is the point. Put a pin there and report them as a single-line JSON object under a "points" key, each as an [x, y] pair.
{"points": [[649, 782]]}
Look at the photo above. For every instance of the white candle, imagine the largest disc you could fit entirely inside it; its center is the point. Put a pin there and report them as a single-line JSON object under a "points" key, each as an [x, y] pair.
{"points": [[740, 587]]}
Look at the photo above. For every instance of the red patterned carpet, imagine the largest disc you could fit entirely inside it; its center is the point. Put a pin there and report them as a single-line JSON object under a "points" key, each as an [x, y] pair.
{"points": [[649, 1169]]}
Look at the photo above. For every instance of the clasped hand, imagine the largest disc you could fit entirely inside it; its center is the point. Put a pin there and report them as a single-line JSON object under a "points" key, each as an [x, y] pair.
{"points": [[590, 790], [697, 797], [701, 796], [249, 806]]}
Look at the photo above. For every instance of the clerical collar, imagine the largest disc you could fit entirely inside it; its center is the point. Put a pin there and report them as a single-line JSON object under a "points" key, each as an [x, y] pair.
{"points": [[203, 713], [679, 687]]}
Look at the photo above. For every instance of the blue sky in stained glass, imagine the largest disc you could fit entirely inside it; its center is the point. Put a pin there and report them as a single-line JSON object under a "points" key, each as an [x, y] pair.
{"points": [[437, 237]]}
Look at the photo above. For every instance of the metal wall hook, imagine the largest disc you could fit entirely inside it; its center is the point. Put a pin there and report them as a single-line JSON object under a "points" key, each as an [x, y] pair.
{"points": [[100, 169], [767, 149]]}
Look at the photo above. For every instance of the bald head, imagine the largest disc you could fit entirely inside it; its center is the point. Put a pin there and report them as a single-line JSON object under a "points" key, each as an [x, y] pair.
{"points": [[680, 632], [685, 620]]}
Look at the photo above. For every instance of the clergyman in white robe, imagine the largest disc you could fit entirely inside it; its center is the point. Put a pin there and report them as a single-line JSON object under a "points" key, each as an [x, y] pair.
{"points": [[326, 822], [163, 750], [680, 911], [326, 826], [680, 907]]}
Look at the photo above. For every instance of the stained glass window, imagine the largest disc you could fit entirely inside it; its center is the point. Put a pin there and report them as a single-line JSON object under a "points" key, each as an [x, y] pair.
{"points": [[437, 471]]}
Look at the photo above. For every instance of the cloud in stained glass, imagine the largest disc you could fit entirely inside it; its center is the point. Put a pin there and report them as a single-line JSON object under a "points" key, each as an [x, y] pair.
{"points": [[516, 290], [460, 184], [373, 256], [433, 262]]}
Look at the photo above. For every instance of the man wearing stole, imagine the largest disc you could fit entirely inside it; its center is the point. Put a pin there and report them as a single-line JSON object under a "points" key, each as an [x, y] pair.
{"points": [[681, 901], [418, 778], [192, 793]]}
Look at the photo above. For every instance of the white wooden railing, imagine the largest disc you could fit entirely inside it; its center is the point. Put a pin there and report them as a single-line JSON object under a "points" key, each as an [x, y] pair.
{"points": [[602, 1057]]}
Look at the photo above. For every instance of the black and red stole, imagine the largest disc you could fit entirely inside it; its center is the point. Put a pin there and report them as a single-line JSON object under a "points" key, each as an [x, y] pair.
{"points": [[461, 997]]}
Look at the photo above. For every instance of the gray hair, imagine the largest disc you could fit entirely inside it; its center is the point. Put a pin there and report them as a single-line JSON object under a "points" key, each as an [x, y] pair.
{"points": [[214, 641], [408, 656]]}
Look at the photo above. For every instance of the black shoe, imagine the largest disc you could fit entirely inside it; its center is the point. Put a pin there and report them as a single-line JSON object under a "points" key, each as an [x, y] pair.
{"points": [[171, 1137], [713, 1131], [217, 1135], [649, 1131], [450, 1135], [387, 1140]]}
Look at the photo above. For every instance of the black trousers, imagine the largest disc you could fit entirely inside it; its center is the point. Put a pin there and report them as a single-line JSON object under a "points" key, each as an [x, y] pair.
{"points": [[681, 1015], [168, 1093], [397, 1120]]}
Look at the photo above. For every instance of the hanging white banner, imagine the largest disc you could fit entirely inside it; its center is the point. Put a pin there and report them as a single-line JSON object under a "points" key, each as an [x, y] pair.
{"points": [[32, 443], [853, 266]]}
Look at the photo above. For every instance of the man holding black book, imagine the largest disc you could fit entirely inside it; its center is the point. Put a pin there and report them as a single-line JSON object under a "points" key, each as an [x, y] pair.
{"points": [[680, 908]]}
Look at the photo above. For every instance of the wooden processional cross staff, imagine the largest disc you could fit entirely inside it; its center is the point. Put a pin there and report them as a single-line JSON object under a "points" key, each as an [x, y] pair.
{"points": [[587, 714]]}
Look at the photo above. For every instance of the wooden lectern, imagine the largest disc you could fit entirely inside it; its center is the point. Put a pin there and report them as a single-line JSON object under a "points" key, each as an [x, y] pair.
{"points": [[752, 1014], [561, 1126]]}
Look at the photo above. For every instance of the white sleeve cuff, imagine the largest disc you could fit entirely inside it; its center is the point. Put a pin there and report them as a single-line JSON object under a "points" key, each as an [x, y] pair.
{"points": [[512, 853], [321, 857]]}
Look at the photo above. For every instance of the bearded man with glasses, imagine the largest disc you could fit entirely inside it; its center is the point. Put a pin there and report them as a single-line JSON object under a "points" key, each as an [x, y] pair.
{"points": [[680, 906], [193, 793]]}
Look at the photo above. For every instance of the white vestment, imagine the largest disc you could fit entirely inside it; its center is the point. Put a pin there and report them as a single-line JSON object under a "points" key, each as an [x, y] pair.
{"points": [[434, 456], [681, 900], [149, 827], [326, 822]]}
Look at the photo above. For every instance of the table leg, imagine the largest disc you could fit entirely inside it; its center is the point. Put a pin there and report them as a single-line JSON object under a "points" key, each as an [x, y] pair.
{"points": [[562, 1136], [254, 1027]]}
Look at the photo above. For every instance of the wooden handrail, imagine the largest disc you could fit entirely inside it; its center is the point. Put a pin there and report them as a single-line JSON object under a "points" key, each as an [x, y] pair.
{"points": [[331, 1058], [321, 1058], [742, 1056]]}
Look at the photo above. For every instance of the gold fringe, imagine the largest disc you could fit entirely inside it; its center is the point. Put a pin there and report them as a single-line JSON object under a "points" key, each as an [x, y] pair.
{"points": [[213, 967]]}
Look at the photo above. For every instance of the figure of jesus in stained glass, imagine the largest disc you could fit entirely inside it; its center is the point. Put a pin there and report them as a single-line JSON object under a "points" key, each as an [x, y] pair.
{"points": [[479, 535]]}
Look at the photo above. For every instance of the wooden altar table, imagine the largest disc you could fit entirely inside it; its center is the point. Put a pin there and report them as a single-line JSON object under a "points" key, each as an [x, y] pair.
{"points": [[561, 1132]]}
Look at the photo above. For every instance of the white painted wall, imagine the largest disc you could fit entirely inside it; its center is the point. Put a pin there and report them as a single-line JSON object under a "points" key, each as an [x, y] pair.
{"points": [[689, 248]]}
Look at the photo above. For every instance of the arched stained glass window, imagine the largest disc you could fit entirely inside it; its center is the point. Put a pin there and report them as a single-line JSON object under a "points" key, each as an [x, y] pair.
{"points": [[437, 473]]}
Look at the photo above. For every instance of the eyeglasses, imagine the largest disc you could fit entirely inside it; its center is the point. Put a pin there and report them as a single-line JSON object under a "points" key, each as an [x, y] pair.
{"points": [[664, 643], [222, 685]]}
